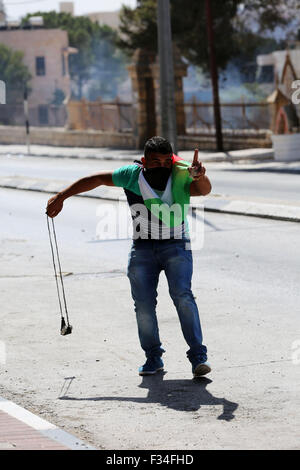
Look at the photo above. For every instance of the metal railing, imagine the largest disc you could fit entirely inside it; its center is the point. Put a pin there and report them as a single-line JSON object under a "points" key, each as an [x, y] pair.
{"points": [[200, 116], [106, 116], [117, 116], [40, 115]]}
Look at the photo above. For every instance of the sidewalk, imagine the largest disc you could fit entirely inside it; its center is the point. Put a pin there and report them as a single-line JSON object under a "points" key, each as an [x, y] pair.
{"points": [[22, 430], [259, 154], [251, 160], [256, 207]]}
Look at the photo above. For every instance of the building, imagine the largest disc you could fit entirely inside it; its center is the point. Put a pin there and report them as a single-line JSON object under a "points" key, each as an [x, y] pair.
{"points": [[45, 53], [66, 7], [2, 14], [284, 68], [46, 56], [280, 68], [109, 18]]}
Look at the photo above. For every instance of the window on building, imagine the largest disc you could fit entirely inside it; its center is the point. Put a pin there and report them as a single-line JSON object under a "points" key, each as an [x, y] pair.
{"points": [[266, 74], [40, 66], [63, 65], [43, 115]]}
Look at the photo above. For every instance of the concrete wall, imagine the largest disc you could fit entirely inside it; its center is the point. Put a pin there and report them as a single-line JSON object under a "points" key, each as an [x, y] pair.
{"points": [[90, 138]]}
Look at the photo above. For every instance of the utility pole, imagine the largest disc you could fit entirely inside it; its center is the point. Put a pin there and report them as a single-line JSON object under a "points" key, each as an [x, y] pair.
{"points": [[26, 113], [2, 92], [166, 66], [214, 75]]}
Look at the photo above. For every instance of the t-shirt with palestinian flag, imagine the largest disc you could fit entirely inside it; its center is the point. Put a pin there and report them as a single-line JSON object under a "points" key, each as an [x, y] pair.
{"points": [[157, 214]]}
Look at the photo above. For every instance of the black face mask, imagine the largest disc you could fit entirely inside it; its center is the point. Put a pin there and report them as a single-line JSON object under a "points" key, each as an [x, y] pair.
{"points": [[157, 177]]}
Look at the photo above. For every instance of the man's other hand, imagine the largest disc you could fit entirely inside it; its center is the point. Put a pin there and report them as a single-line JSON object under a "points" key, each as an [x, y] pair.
{"points": [[54, 206]]}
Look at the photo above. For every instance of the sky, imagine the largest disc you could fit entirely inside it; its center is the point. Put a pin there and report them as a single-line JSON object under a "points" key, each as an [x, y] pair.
{"points": [[15, 9]]}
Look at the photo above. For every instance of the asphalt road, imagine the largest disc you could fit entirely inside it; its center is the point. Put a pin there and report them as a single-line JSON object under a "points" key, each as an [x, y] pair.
{"points": [[246, 281], [254, 181]]}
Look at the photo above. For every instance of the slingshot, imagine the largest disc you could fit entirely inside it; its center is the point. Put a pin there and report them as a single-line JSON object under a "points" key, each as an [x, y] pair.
{"points": [[65, 327]]}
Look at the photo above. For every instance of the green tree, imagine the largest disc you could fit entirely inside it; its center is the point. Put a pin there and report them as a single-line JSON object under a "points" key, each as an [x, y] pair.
{"points": [[14, 73], [240, 27]]}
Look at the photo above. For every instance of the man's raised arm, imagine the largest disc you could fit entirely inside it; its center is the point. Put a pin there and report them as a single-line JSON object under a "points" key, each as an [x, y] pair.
{"points": [[55, 203]]}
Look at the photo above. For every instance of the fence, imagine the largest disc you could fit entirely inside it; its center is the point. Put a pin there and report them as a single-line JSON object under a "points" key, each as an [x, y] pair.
{"points": [[98, 115], [40, 115], [117, 116], [106, 116], [235, 116]]}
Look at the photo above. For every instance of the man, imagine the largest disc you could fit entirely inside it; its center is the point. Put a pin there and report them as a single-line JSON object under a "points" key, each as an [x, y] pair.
{"points": [[158, 191]]}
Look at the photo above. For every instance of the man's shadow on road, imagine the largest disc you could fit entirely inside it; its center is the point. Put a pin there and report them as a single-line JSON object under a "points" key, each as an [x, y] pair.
{"points": [[180, 395]]}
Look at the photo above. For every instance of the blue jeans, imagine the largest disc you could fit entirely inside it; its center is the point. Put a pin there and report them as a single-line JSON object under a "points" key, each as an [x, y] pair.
{"points": [[147, 259]]}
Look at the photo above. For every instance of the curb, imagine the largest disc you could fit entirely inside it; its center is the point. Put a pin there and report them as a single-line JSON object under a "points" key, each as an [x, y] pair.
{"points": [[214, 157], [76, 157], [215, 203], [44, 428], [284, 212]]}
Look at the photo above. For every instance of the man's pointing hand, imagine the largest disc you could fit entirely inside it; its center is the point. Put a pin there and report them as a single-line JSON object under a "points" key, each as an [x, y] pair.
{"points": [[196, 170]]}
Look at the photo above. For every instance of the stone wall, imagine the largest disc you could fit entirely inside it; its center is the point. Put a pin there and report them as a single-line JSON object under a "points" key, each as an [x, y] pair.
{"points": [[144, 73], [66, 138]]}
